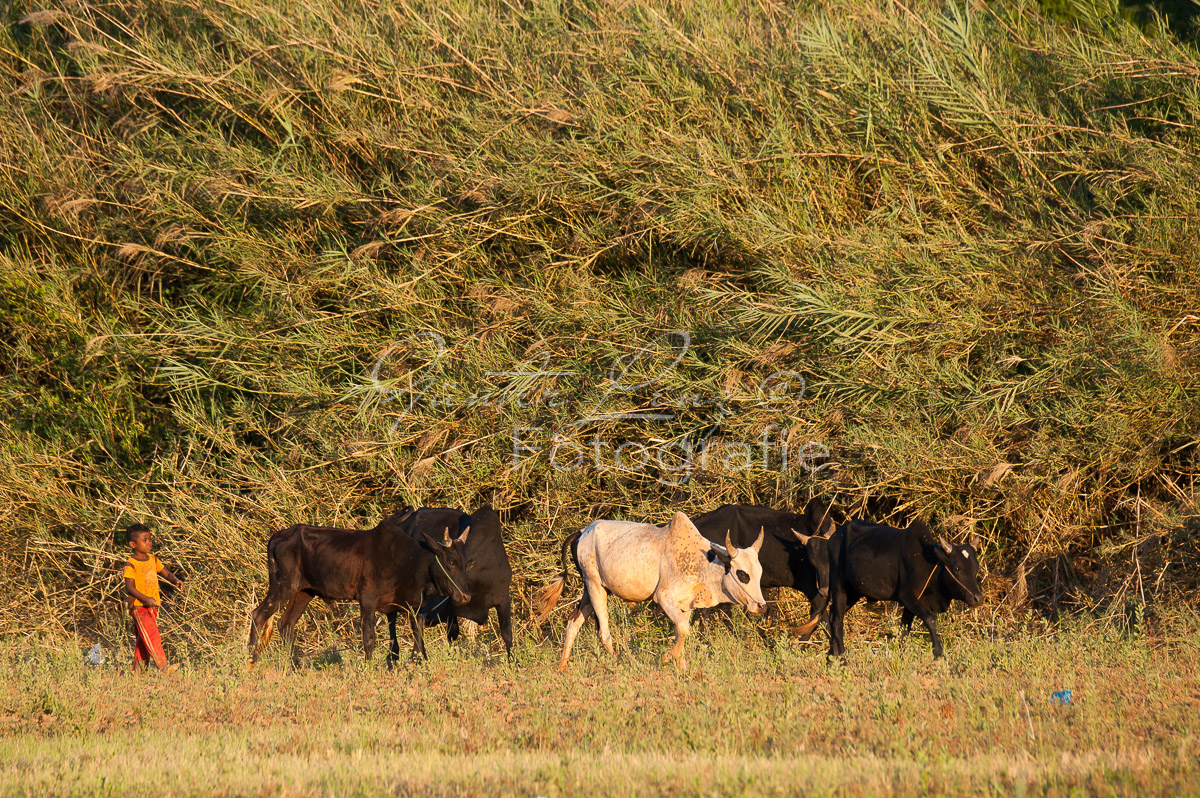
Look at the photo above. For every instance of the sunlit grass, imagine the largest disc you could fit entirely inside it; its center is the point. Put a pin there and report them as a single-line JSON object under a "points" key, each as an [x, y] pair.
{"points": [[744, 717]]}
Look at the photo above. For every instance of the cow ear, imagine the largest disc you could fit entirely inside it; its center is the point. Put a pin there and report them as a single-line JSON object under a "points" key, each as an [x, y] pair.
{"points": [[462, 536], [975, 542], [716, 555], [758, 541], [430, 539]]}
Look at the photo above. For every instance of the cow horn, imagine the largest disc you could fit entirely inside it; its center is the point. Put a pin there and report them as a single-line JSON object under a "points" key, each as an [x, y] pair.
{"points": [[975, 542], [946, 546], [728, 544], [462, 536], [758, 541], [446, 537]]}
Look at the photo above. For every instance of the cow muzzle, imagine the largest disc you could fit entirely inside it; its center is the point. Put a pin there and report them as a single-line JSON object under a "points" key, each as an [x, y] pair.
{"points": [[460, 597], [756, 608]]}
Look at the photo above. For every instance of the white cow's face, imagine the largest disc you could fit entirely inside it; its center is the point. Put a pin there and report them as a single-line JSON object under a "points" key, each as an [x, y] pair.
{"points": [[742, 583]]}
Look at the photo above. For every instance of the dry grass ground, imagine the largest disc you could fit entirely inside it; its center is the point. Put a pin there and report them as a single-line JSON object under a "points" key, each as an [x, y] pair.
{"points": [[744, 719]]}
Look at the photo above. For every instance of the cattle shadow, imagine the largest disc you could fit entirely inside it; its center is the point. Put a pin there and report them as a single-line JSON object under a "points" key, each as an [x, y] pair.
{"points": [[324, 660]]}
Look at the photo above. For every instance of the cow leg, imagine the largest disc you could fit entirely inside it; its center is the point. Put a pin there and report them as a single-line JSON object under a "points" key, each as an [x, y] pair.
{"points": [[258, 624], [574, 624], [504, 618], [818, 604], [452, 630], [418, 629], [599, 598], [287, 626], [393, 644], [837, 632], [906, 619], [911, 604], [683, 620], [367, 608], [707, 617]]}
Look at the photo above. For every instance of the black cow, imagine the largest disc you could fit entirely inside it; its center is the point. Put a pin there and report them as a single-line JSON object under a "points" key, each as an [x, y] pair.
{"points": [[384, 569], [882, 563], [489, 575], [788, 558]]}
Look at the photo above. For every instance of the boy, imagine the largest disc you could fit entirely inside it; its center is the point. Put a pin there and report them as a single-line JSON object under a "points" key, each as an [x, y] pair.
{"points": [[141, 585]]}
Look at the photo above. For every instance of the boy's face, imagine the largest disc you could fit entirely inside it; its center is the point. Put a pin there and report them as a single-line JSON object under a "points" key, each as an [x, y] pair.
{"points": [[141, 542]]}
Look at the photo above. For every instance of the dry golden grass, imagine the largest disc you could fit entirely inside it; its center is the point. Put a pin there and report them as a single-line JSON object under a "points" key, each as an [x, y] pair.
{"points": [[744, 719]]}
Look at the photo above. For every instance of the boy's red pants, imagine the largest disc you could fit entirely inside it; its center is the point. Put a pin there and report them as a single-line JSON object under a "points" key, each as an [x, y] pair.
{"points": [[148, 645]]}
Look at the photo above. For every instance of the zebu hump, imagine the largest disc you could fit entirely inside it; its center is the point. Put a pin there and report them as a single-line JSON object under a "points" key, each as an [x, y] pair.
{"points": [[686, 547]]}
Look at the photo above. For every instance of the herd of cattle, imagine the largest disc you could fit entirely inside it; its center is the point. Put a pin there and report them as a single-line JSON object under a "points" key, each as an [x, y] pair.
{"points": [[439, 565]]}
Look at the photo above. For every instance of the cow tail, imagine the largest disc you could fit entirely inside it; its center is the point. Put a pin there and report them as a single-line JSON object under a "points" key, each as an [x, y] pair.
{"points": [[548, 596], [274, 570]]}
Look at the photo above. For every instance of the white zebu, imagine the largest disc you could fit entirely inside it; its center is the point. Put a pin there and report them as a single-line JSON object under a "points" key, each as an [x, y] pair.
{"points": [[673, 564]]}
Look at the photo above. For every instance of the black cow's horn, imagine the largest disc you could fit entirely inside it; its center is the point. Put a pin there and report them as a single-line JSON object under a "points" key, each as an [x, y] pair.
{"points": [[446, 537], [758, 541], [975, 542], [462, 536], [948, 548], [803, 538]]}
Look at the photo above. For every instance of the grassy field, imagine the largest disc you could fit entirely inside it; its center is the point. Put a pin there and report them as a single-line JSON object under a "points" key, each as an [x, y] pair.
{"points": [[746, 718]]}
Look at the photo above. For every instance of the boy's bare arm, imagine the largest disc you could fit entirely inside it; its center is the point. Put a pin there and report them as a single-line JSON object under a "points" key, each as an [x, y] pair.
{"points": [[137, 594], [170, 577]]}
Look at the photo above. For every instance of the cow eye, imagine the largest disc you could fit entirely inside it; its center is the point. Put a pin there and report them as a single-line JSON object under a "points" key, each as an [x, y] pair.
{"points": [[743, 577]]}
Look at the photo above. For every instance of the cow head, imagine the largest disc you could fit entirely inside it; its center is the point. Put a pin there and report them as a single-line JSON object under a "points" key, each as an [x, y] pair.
{"points": [[449, 569], [816, 547], [742, 582], [962, 570]]}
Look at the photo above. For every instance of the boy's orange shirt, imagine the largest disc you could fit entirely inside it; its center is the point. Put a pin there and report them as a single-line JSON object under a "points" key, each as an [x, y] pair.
{"points": [[144, 574]]}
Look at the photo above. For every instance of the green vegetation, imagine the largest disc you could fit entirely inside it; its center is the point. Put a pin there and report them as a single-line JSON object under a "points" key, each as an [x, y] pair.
{"points": [[745, 719], [973, 231]]}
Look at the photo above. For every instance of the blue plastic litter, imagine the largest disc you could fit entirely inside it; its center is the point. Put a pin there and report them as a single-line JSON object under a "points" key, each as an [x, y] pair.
{"points": [[1061, 697], [96, 655]]}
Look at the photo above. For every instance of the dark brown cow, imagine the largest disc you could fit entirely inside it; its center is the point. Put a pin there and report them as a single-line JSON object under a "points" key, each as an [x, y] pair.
{"points": [[384, 569]]}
